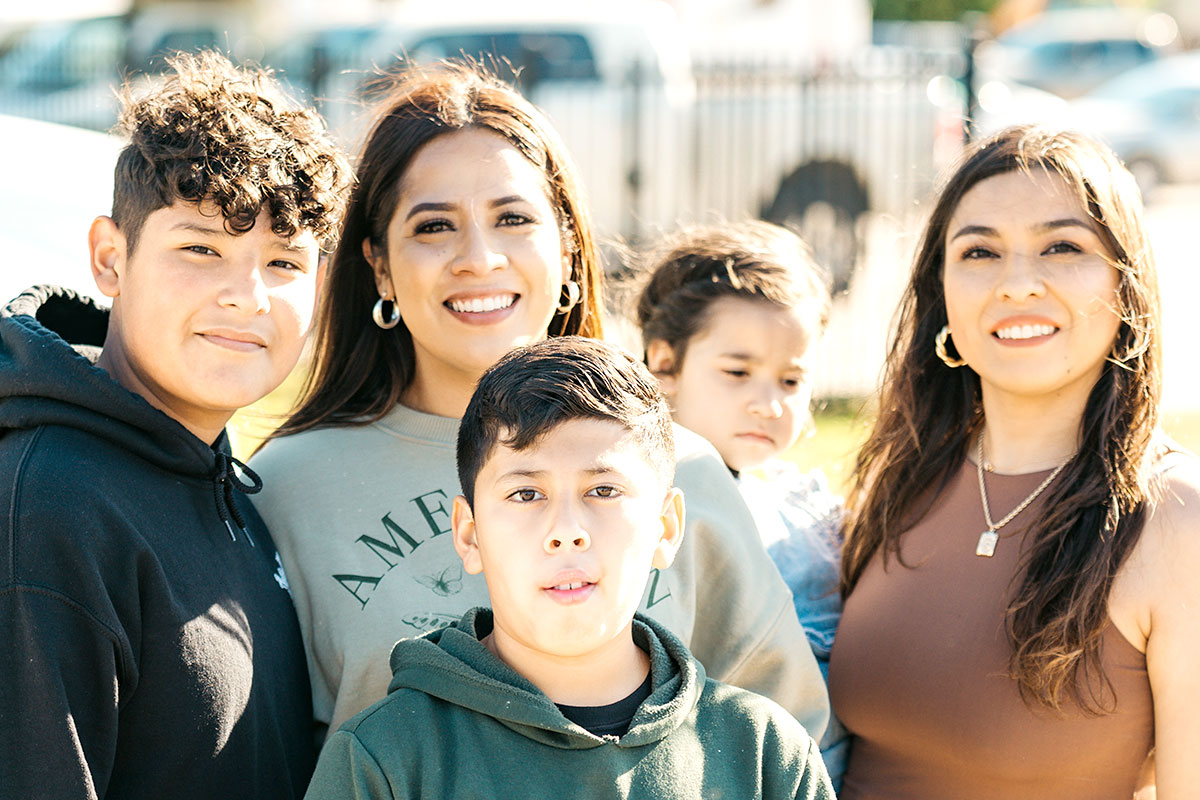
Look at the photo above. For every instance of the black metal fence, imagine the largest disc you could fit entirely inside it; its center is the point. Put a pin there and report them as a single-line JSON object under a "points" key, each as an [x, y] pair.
{"points": [[813, 149]]}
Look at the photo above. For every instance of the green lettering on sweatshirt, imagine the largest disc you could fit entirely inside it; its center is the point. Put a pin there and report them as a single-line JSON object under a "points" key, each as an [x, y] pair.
{"points": [[428, 512], [358, 581], [655, 597], [393, 531]]}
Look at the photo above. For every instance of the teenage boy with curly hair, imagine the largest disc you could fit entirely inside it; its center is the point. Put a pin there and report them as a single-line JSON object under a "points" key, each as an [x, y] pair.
{"points": [[150, 647], [567, 462]]}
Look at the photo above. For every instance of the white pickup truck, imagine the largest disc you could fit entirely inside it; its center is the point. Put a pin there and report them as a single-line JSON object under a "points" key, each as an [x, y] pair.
{"points": [[662, 137]]}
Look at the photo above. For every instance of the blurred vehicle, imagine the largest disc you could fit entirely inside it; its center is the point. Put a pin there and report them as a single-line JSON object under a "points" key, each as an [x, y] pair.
{"points": [[56, 180], [1000, 104], [663, 138], [310, 59], [1150, 116], [66, 71], [1069, 51]]}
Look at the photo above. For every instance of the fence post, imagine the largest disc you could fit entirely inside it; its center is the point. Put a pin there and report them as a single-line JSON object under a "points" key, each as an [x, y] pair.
{"points": [[633, 173], [971, 41]]}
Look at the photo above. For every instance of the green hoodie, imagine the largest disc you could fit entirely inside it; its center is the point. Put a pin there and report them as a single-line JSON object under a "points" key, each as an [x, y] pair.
{"points": [[459, 723]]}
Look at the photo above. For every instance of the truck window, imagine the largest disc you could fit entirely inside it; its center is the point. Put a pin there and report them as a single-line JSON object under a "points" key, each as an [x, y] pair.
{"points": [[539, 56]]}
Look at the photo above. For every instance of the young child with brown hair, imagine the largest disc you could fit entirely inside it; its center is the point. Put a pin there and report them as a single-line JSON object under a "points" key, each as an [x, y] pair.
{"points": [[730, 317]]}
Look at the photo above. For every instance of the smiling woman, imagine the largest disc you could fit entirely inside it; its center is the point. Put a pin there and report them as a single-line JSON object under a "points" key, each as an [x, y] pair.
{"points": [[1019, 561], [465, 238], [474, 260], [1027, 268]]}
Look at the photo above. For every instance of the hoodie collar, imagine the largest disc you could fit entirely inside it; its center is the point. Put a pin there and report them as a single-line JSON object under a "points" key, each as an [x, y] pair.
{"points": [[50, 338], [453, 664]]}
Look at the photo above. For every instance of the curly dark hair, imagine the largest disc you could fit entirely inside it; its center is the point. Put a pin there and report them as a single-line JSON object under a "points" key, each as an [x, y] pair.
{"points": [[213, 132]]}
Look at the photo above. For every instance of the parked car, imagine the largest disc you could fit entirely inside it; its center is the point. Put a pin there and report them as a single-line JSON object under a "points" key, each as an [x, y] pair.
{"points": [[1070, 51], [310, 59], [65, 71], [1150, 116]]}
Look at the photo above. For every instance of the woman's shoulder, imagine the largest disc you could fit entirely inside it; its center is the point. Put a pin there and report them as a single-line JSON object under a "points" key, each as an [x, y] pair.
{"points": [[1166, 557], [1174, 485], [300, 453], [355, 443]]}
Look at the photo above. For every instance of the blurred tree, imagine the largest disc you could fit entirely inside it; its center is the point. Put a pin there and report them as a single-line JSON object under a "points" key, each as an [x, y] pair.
{"points": [[929, 9]]}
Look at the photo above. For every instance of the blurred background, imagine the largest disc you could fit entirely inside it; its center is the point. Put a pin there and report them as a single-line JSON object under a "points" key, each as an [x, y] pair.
{"points": [[834, 117]]}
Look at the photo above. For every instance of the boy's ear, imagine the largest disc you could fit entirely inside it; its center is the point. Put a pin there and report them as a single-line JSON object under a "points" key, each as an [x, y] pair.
{"points": [[379, 266], [107, 247], [660, 359], [672, 536], [462, 523]]}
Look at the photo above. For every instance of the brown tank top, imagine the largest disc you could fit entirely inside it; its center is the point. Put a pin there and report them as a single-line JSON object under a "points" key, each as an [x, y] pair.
{"points": [[919, 674]]}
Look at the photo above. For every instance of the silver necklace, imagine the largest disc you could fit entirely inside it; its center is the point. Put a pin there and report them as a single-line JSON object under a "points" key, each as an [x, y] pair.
{"points": [[986, 546]]}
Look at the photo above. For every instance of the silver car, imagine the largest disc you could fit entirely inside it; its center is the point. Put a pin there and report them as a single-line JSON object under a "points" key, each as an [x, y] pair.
{"points": [[1150, 116]]}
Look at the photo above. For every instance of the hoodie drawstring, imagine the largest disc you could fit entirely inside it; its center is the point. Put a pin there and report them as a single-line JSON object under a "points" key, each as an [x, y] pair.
{"points": [[225, 480]]}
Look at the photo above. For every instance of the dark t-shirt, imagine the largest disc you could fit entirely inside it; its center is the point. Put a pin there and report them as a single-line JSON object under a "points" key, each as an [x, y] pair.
{"points": [[612, 719]]}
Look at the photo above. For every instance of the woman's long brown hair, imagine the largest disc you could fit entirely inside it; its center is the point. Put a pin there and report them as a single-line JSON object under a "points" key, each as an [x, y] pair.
{"points": [[360, 371], [1093, 515]]}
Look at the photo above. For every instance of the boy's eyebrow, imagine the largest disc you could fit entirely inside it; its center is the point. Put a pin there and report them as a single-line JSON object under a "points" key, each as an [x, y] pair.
{"points": [[599, 468], [291, 247], [205, 230], [197, 228], [523, 473]]}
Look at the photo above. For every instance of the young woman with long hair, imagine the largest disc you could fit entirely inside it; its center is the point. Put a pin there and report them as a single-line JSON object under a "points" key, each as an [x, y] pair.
{"points": [[1019, 565], [465, 237]]}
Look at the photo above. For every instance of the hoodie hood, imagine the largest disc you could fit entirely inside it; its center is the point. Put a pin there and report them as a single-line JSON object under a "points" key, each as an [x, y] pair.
{"points": [[50, 339], [453, 665]]}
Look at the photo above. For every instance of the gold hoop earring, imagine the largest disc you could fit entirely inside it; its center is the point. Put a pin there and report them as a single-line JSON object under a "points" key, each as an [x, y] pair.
{"points": [[389, 322], [939, 347], [573, 294]]}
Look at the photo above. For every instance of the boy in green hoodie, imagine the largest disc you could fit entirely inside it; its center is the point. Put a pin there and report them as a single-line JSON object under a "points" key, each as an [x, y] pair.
{"points": [[565, 456]]}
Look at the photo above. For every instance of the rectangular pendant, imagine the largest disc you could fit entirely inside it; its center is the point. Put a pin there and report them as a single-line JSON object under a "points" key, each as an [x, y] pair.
{"points": [[987, 544]]}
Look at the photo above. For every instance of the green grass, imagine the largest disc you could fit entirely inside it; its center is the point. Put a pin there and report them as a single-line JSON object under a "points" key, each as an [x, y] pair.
{"points": [[843, 425]]}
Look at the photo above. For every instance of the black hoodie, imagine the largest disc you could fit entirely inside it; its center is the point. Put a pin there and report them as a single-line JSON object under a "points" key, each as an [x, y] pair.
{"points": [[148, 646]]}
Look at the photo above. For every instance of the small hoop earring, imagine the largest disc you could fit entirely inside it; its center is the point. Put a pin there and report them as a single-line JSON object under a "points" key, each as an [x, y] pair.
{"points": [[377, 314], [573, 294], [939, 347]]}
